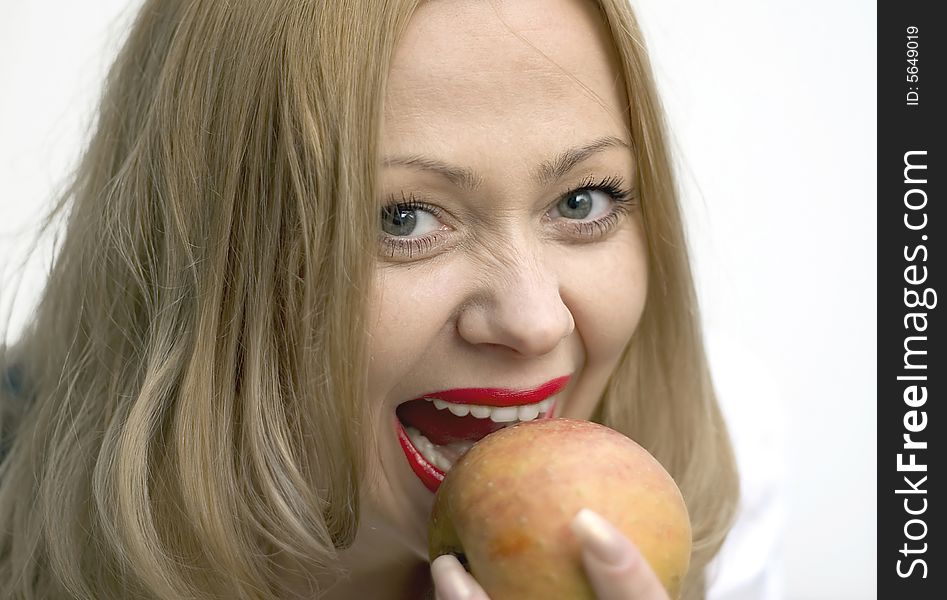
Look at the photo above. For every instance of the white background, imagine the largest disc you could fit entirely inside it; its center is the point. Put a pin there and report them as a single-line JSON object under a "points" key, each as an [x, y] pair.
{"points": [[772, 106]]}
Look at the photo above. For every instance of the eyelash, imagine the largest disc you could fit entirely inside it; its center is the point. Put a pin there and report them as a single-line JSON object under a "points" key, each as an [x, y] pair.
{"points": [[623, 198]]}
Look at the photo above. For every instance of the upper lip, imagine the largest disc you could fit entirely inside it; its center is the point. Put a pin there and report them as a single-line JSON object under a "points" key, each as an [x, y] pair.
{"points": [[501, 397]]}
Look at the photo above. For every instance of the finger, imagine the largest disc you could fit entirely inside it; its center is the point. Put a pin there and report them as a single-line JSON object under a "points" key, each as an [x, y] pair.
{"points": [[452, 582], [614, 566]]}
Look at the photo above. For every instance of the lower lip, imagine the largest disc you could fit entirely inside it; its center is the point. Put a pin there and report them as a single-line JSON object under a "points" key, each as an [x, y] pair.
{"points": [[430, 475]]}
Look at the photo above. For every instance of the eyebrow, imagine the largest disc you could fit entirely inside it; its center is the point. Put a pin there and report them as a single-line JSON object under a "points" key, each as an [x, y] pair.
{"points": [[547, 172]]}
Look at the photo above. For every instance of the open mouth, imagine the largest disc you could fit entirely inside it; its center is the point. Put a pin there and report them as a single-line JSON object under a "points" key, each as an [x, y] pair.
{"points": [[438, 428]]}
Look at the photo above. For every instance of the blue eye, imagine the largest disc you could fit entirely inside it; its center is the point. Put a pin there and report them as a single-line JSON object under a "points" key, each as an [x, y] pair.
{"points": [[594, 209], [395, 220], [409, 218], [409, 227], [580, 204]]}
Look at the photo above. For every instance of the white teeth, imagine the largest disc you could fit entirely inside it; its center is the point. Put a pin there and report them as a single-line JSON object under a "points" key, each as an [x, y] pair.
{"points": [[428, 450], [506, 414], [443, 457], [527, 412], [461, 410], [481, 412]]}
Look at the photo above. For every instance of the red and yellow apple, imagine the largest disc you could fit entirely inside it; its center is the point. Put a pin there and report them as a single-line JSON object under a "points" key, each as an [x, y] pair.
{"points": [[505, 508]]}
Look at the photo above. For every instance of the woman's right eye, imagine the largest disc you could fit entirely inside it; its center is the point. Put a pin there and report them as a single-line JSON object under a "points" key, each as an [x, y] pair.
{"points": [[400, 220], [410, 228]]}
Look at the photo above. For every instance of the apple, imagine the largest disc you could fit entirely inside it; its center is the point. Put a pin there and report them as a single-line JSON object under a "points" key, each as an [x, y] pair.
{"points": [[505, 508]]}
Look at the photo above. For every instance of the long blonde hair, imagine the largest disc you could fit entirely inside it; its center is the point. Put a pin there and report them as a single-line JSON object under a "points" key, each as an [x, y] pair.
{"points": [[200, 338]]}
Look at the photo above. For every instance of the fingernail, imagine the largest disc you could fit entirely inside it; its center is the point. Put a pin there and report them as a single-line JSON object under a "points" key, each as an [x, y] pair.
{"points": [[450, 578], [601, 538]]}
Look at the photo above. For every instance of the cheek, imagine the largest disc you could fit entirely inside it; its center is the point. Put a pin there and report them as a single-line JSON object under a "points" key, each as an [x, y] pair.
{"points": [[606, 292], [407, 312]]}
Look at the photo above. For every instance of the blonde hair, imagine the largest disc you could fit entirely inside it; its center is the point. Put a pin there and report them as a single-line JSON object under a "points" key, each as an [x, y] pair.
{"points": [[200, 338]]}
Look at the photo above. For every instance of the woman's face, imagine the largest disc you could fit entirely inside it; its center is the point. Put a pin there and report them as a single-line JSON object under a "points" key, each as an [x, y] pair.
{"points": [[511, 254]]}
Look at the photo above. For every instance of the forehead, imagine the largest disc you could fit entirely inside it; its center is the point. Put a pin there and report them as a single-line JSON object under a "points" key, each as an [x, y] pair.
{"points": [[504, 69]]}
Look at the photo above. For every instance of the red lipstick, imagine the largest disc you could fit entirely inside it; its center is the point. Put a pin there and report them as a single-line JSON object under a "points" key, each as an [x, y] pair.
{"points": [[501, 397], [429, 475], [444, 435]]}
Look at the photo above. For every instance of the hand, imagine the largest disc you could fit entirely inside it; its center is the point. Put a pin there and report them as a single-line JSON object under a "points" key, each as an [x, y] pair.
{"points": [[615, 568]]}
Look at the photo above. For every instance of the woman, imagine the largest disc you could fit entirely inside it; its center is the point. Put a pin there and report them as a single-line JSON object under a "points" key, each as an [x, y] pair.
{"points": [[297, 221]]}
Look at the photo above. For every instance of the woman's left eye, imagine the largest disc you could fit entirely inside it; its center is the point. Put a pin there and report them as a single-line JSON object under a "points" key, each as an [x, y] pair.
{"points": [[594, 209], [584, 204]]}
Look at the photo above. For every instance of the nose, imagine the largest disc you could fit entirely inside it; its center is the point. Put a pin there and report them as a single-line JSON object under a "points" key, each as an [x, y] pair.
{"points": [[518, 305]]}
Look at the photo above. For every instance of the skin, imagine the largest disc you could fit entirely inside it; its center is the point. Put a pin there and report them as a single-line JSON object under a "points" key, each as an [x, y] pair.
{"points": [[506, 291]]}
